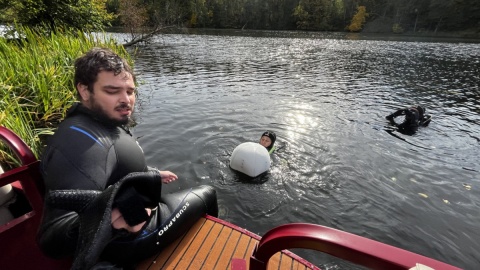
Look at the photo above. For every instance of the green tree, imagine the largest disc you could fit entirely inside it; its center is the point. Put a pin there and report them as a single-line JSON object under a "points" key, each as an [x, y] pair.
{"points": [[171, 12], [317, 14], [133, 15], [417, 15], [7, 13], [358, 19], [301, 16], [85, 15]]}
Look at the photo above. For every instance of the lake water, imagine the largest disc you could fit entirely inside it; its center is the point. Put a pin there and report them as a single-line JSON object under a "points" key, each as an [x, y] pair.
{"points": [[326, 96]]}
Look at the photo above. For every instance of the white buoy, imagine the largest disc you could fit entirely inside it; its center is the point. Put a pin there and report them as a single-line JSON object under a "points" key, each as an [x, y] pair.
{"points": [[250, 158]]}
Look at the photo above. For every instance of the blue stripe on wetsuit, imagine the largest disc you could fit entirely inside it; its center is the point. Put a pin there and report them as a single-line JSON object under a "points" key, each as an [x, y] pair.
{"points": [[86, 133]]}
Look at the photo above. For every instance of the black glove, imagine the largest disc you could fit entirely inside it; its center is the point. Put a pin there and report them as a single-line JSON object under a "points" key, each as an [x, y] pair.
{"points": [[131, 205], [395, 114]]}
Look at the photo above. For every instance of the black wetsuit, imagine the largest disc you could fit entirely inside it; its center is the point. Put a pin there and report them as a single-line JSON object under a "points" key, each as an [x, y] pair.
{"points": [[88, 154], [410, 123], [83, 154]]}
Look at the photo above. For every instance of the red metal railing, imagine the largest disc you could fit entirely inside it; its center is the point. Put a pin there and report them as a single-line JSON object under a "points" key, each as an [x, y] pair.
{"points": [[344, 245]]}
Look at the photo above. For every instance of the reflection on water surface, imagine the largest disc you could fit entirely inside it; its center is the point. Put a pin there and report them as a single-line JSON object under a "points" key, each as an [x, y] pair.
{"points": [[326, 97]]}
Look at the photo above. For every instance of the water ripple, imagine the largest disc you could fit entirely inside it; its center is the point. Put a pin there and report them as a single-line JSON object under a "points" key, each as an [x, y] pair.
{"points": [[326, 96]]}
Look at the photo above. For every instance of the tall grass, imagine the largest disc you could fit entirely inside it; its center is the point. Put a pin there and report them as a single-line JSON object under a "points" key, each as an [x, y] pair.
{"points": [[36, 80]]}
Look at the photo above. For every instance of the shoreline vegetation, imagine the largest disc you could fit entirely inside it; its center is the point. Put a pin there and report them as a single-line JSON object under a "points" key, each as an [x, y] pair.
{"points": [[471, 35], [433, 18], [36, 81]]}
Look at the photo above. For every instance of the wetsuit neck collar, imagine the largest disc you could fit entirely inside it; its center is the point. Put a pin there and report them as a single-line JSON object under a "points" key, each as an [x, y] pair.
{"points": [[79, 108]]}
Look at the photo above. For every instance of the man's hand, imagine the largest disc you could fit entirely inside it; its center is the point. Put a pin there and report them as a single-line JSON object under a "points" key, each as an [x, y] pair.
{"points": [[168, 176], [118, 222]]}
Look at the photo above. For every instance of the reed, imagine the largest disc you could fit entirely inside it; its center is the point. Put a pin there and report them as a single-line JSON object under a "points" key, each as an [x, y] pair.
{"points": [[36, 80]]}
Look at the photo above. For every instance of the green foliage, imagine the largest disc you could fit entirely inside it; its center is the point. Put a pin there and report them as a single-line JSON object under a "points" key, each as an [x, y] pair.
{"points": [[133, 14], [171, 12], [193, 20], [317, 14], [397, 28], [36, 79], [302, 17], [339, 7], [358, 19], [7, 11], [86, 15], [112, 7], [334, 15]]}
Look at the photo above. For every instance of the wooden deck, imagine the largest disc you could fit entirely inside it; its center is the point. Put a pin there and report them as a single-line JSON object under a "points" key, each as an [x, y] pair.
{"points": [[212, 244]]}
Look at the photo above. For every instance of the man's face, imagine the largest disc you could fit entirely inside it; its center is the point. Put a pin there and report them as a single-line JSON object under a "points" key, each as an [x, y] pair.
{"points": [[265, 141], [113, 96]]}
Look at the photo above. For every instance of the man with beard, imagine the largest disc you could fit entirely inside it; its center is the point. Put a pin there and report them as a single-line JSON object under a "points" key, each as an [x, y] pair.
{"points": [[92, 150]]}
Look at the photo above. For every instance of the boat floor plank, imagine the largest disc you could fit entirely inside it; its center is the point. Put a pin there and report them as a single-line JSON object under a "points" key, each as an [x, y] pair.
{"points": [[209, 244], [227, 253], [192, 249], [274, 262], [175, 250], [297, 266], [199, 261], [216, 250]]}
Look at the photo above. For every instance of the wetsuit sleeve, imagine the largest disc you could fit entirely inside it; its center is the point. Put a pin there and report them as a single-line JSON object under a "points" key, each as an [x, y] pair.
{"points": [[399, 112], [391, 117]]}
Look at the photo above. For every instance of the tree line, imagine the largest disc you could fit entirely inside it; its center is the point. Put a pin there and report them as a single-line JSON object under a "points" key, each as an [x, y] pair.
{"points": [[315, 15]]}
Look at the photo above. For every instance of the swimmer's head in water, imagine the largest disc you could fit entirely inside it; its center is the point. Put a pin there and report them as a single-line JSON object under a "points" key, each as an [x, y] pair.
{"points": [[421, 111], [268, 139]]}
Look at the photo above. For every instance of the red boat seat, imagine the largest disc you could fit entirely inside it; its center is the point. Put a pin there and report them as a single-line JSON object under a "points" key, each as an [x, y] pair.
{"points": [[18, 248]]}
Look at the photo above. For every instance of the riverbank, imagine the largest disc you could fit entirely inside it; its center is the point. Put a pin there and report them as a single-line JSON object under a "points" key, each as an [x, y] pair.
{"points": [[448, 37], [385, 26], [371, 31]]}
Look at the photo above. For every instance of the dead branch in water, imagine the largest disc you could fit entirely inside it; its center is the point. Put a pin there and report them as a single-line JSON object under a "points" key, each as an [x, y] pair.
{"points": [[145, 37]]}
